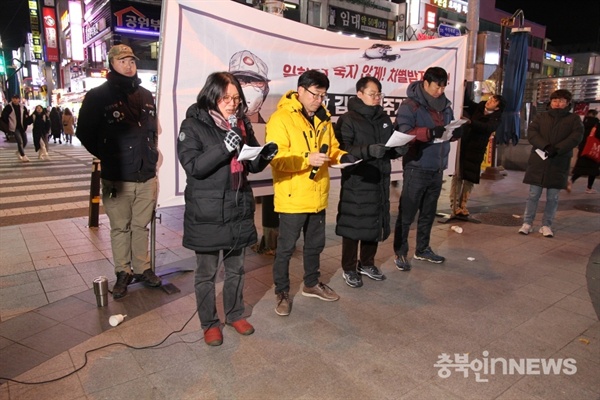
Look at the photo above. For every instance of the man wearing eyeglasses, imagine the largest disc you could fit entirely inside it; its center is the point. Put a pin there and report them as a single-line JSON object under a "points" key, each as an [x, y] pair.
{"points": [[363, 217], [117, 124], [302, 129]]}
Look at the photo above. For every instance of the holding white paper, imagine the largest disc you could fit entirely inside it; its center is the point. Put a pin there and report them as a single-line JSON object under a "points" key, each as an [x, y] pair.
{"points": [[449, 130], [399, 139], [250, 152]]}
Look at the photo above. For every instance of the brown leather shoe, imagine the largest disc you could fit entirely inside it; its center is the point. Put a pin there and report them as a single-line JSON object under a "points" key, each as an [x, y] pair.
{"points": [[320, 291], [283, 305], [149, 278]]}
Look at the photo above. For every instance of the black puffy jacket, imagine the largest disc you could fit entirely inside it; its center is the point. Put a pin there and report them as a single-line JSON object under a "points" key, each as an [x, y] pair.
{"points": [[217, 216], [474, 141], [364, 206], [117, 124]]}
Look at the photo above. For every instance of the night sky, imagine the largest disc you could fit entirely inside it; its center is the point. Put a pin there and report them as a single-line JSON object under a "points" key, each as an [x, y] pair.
{"points": [[567, 22], [575, 21]]}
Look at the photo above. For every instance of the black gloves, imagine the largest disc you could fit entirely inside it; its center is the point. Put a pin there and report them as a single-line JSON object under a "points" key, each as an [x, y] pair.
{"points": [[269, 151], [348, 158], [376, 150], [457, 133], [401, 150], [233, 139], [551, 151], [436, 133]]}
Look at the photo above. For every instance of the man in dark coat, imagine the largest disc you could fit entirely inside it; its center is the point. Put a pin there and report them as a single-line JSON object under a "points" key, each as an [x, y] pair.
{"points": [[482, 121], [553, 135], [364, 207], [117, 123]]}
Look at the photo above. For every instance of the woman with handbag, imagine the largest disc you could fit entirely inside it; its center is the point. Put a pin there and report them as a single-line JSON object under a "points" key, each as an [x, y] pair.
{"points": [[588, 158]]}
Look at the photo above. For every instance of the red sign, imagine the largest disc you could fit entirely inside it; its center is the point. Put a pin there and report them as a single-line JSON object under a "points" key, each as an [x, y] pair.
{"points": [[50, 34]]}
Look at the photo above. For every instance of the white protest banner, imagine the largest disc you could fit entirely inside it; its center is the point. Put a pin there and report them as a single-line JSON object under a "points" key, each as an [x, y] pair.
{"points": [[201, 37]]}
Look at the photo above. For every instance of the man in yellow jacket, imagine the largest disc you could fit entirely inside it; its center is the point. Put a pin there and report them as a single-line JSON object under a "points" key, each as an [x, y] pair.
{"points": [[302, 129]]}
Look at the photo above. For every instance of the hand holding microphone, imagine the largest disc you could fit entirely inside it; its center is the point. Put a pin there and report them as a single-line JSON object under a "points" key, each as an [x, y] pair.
{"points": [[233, 138], [318, 159]]}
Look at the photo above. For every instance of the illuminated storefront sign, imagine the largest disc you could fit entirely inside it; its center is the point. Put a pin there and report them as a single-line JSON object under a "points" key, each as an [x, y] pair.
{"points": [[75, 20], [138, 19], [36, 37], [558, 58], [458, 6], [355, 22], [50, 34]]}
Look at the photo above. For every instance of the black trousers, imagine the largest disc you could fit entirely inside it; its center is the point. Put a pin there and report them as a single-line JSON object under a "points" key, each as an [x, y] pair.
{"points": [[350, 253], [420, 192]]}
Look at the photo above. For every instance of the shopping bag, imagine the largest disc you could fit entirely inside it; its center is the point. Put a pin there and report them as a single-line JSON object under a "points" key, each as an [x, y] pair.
{"points": [[592, 146]]}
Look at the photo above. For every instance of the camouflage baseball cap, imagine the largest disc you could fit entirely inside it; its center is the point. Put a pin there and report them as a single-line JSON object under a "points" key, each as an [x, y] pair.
{"points": [[120, 51], [245, 63]]}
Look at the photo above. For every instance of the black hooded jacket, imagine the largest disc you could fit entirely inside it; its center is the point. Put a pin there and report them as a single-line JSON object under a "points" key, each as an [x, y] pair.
{"points": [[117, 124], [364, 207]]}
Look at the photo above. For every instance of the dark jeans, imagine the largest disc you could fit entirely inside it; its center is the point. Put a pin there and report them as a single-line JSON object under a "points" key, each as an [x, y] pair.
{"points": [[350, 253], [290, 226], [204, 283], [21, 138], [420, 192]]}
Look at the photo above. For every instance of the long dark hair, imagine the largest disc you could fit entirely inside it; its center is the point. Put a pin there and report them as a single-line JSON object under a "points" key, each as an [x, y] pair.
{"points": [[215, 88]]}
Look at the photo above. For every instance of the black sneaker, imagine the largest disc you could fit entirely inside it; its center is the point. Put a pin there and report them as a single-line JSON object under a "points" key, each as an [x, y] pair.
{"points": [[371, 271], [120, 288], [402, 263], [149, 278], [429, 255], [353, 279]]}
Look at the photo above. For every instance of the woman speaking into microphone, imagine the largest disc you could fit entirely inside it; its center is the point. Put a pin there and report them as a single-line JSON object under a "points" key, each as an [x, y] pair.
{"points": [[219, 204]]}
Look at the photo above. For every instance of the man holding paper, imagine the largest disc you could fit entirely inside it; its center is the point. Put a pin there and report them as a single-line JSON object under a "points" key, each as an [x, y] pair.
{"points": [[363, 217], [425, 113]]}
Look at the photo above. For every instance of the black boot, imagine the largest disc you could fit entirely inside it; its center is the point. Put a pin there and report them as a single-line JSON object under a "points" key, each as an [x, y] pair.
{"points": [[149, 278], [120, 288]]}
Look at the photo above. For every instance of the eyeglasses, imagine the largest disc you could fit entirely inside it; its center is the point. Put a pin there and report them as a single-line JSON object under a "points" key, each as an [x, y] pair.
{"points": [[316, 96], [375, 95], [227, 99]]}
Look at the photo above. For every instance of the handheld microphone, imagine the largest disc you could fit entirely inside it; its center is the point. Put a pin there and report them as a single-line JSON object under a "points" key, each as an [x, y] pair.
{"points": [[314, 170], [233, 127]]}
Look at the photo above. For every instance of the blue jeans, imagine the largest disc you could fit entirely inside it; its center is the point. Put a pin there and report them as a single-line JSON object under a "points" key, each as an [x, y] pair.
{"points": [[290, 226], [207, 265], [420, 192], [532, 202]]}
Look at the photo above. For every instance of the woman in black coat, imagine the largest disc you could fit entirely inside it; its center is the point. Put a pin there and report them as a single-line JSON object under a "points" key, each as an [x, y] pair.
{"points": [[40, 129], [483, 120], [585, 166], [56, 124], [363, 217], [219, 204]]}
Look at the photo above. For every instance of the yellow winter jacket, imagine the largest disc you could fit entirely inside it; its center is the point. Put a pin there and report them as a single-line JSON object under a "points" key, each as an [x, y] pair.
{"points": [[296, 138]]}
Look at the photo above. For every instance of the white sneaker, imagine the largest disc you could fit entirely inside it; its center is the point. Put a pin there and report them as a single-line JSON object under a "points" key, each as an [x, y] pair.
{"points": [[525, 229], [546, 231]]}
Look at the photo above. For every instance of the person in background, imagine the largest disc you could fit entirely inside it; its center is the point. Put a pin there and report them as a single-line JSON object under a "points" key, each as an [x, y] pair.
{"points": [[424, 114], [117, 124], [363, 217], [68, 122], [56, 126], [41, 127], [16, 118], [482, 120], [302, 128], [553, 135], [585, 165], [219, 204]]}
